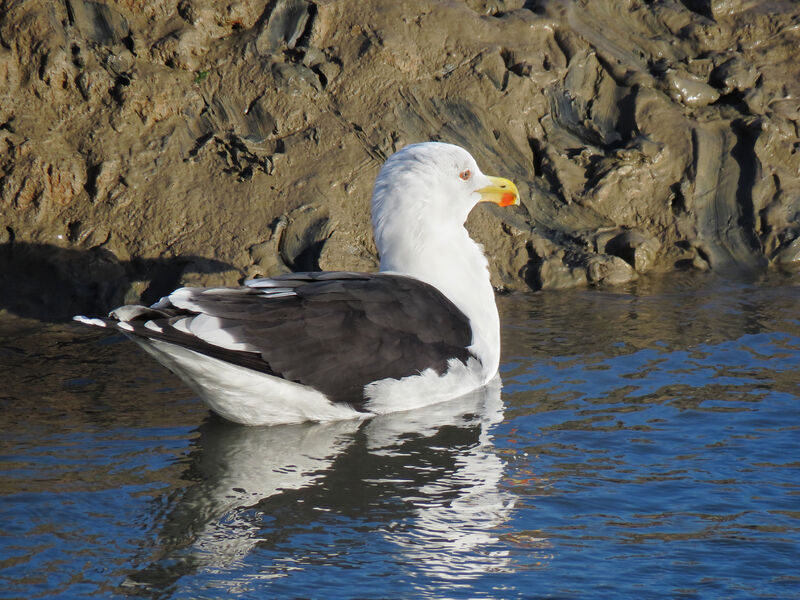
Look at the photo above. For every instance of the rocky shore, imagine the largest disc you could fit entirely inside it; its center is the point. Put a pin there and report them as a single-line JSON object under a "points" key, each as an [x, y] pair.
{"points": [[145, 145]]}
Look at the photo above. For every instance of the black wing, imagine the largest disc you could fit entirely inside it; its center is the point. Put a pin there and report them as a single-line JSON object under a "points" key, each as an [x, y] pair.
{"points": [[335, 332]]}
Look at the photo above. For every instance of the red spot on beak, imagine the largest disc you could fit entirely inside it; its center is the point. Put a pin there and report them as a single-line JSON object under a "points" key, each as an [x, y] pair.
{"points": [[507, 200]]}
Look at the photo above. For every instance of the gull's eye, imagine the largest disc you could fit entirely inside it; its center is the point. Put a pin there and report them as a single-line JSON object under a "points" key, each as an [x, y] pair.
{"points": [[465, 175]]}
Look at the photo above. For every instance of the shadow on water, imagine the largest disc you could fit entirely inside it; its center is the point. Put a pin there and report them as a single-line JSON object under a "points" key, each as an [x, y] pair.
{"points": [[428, 479], [51, 283]]}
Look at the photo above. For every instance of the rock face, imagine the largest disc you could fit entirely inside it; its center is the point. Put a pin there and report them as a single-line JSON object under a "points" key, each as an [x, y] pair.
{"points": [[197, 141]]}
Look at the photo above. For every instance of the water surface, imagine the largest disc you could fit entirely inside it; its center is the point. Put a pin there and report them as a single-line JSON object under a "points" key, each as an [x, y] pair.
{"points": [[644, 444]]}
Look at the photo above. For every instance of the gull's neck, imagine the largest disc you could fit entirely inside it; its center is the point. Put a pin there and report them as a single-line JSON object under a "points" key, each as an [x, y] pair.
{"points": [[448, 259]]}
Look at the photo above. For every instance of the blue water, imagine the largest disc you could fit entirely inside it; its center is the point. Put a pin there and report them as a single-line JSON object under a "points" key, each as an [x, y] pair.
{"points": [[645, 444]]}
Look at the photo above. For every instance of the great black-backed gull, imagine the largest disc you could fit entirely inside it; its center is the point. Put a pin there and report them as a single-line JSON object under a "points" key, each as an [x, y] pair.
{"points": [[337, 345]]}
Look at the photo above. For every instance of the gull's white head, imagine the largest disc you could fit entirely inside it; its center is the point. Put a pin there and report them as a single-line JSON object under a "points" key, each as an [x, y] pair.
{"points": [[428, 190]]}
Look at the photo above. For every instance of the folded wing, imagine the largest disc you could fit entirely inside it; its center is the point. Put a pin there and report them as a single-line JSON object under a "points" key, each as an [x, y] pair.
{"points": [[335, 332]]}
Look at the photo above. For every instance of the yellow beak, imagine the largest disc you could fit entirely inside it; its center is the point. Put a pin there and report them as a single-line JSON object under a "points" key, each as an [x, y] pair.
{"points": [[501, 191]]}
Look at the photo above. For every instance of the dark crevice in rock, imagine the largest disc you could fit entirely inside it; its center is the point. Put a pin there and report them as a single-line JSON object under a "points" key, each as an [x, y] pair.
{"points": [[305, 35], [626, 122], [626, 253], [677, 199], [701, 7], [703, 254], [308, 259], [127, 41], [92, 171], [736, 100], [521, 69], [366, 44], [323, 80], [536, 151], [199, 144], [73, 231], [120, 83], [743, 152], [77, 59]]}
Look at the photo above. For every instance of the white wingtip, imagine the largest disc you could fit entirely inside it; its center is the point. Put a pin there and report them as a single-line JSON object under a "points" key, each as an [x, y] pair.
{"points": [[264, 282], [182, 298], [153, 326], [163, 302], [89, 321]]}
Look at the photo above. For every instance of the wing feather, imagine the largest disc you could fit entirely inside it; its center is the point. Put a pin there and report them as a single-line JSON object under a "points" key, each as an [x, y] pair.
{"points": [[335, 332]]}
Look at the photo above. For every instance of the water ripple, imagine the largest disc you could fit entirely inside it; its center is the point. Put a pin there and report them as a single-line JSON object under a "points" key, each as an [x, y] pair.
{"points": [[644, 445]]}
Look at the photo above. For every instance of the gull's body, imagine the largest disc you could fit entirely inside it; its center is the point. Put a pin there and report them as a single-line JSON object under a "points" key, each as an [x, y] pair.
{"points": [[322, 346]]}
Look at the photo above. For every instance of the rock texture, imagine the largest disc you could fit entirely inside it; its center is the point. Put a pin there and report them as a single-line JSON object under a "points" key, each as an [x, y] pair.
{"points": [[148, 144]]}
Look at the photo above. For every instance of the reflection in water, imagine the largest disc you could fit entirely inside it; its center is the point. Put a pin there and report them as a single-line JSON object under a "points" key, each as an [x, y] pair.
{"points": [[456, 516], [209, 525], [435, 468]]}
